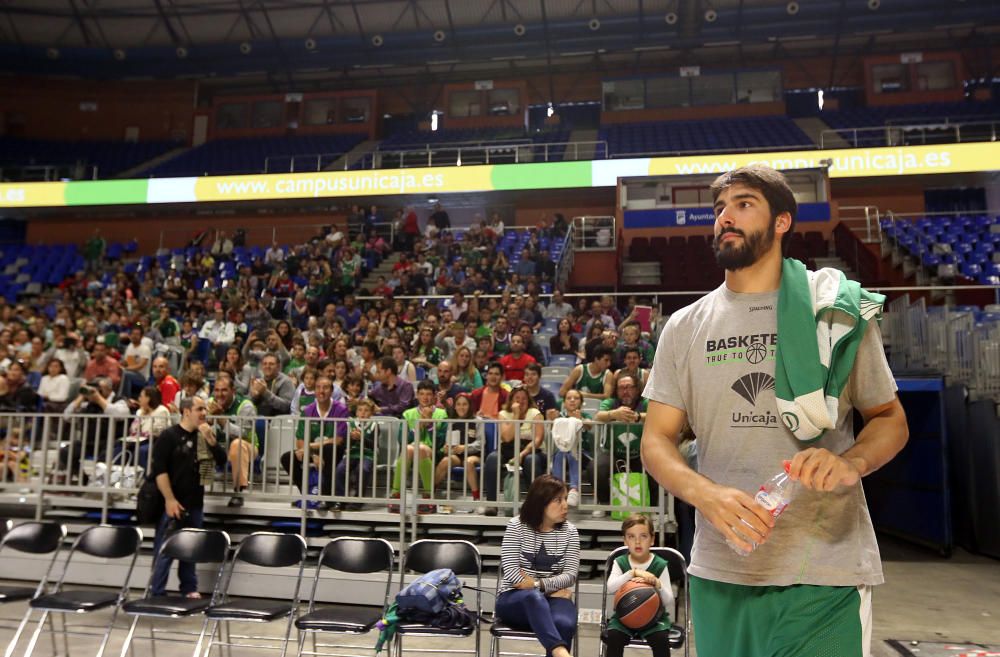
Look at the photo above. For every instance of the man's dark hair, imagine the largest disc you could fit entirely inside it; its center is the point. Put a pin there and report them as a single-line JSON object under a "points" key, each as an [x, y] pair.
{"points": [[770, 183], [426, 384], [534, 367], [371, 346], [542, 491], [630, 350], [389, 363], [600, 351], [495, 365]]}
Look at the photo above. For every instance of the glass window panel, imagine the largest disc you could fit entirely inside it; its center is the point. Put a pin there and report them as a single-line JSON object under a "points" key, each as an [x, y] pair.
{"points": [[505, 102], [889, 78], [356, 110], [268, 114], [320, 111], [935, 76], [758, 87], [465, 103], [668, 92], [231, 115], [624, 95], [713, 89]]}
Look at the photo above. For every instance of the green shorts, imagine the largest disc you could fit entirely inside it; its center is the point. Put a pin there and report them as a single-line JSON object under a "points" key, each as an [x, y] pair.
{"points": [[733, 620]]}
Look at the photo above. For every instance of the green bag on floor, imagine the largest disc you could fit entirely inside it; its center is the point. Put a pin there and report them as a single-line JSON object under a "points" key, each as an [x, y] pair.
{"points": [[628, 489]]}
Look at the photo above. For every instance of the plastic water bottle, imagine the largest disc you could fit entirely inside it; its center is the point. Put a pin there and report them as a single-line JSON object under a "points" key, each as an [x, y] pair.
{"points": [[774, 495]]}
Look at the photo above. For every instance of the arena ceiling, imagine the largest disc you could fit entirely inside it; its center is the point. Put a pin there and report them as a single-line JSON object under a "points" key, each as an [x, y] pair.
{"points": [[305, 44]]}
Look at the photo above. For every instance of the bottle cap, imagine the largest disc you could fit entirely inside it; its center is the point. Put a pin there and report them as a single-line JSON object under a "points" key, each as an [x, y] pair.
{"points": [[787, 465]]}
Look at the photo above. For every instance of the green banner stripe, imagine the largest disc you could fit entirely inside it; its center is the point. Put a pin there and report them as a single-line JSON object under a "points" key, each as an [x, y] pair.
{"points": [[106, 192], [546, 175]]}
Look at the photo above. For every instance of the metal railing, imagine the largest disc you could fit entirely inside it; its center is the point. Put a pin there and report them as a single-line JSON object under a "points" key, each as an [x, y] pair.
{"points": [[867, 225], [944, 340], [912, 134], [48, 172], [304, 162], [598, 233], [506, 152], [99, 462]]}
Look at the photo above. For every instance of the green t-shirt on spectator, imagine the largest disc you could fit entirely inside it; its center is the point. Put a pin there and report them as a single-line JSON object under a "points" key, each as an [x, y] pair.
{"points": [[433, 438], [623, 435]]}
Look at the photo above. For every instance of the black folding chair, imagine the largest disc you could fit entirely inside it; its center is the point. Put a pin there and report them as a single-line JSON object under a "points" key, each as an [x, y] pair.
{"points": [[350, 555], [500, 630], [676, 567], [31, 538], [266, 550], [103, 542], [425, 555], [190, 545]]}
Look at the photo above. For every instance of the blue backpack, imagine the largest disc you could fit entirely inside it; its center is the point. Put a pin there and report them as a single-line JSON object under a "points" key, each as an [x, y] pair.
{"points": [[430, 593]]}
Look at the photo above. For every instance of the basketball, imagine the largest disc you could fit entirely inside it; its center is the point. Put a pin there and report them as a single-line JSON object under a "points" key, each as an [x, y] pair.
{"points": [[637, 604]]}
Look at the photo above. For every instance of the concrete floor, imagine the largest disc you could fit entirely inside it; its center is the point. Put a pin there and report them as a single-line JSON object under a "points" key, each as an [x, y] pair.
{"points": [[925, 598]]}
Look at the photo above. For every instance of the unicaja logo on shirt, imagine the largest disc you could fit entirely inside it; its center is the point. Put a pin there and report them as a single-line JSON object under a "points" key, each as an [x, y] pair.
{"points": [[791, 421], [750, 385]]}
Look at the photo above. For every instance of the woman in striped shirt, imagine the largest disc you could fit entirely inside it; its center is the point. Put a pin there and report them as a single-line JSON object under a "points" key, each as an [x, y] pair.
{"points": [[539, 564]]}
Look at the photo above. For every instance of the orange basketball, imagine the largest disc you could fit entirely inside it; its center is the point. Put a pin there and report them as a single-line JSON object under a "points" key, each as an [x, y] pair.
{"points": [[637, 604]]}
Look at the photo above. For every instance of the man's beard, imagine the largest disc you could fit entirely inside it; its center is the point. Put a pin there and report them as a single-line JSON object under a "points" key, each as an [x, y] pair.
{"points": [[755, 245]]}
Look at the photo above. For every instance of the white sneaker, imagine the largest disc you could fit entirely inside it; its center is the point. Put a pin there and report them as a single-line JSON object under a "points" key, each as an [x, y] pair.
{"points": [[597, 513], [573, 499], [481, 510]]}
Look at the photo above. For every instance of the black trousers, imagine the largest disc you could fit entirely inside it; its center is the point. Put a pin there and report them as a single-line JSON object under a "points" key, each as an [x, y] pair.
{"points": [[658, 641], [293, 466]]}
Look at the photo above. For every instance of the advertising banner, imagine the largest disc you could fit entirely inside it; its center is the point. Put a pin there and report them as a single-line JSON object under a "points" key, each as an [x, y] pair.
{"points": [[842, 163]]}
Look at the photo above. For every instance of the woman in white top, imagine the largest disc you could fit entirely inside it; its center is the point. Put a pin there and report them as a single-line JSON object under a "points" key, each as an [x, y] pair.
{"points": [[150, 420], [519, 417], [54, 387], [407, 370]]}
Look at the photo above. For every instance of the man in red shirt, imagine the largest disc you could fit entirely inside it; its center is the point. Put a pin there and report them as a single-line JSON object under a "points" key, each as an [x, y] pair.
{"points": [[488, 400], [515, 362], [167, 384], [101, 364]]}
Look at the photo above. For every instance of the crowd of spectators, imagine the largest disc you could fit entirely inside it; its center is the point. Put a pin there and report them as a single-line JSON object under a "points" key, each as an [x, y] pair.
{"points": [[283, 332]]}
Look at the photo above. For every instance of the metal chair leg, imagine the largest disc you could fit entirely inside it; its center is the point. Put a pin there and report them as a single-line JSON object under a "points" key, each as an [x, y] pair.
{"points": [[288, 632], [211, 639], [229, 640], [17, 634], [152, 638], [201, 638], [34, 635], [65, 634], [128, 637], [110, 628], [52, 636]]}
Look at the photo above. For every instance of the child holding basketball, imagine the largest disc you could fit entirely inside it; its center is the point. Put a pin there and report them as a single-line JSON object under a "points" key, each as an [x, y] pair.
{"points": [[640, 564]]}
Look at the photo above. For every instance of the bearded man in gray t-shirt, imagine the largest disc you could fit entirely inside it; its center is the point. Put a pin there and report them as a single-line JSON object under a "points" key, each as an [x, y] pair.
{"points": [[805, 588]]}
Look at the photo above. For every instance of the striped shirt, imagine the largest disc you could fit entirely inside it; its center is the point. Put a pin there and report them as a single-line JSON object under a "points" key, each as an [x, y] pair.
{"points": [[553, 557]]}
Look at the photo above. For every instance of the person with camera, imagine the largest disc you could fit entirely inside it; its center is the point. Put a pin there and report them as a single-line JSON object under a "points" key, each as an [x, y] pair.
{"points": [[178, 455], [94, 399]]}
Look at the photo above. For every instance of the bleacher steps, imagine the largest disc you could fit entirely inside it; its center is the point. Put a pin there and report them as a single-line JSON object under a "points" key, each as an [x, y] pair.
{"points": [[155, 162], [836, 263], [814, 126], [641, 273], [383, 268], [348, 159], [585, 152]]}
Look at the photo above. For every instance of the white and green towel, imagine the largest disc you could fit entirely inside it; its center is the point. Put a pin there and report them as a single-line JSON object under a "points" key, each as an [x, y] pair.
{"points": [[822, 318]]}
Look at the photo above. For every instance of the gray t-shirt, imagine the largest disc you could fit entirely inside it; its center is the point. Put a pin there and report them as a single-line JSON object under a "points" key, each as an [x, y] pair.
{"points": [[715, 361]]}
